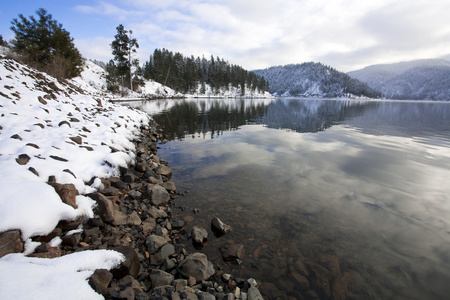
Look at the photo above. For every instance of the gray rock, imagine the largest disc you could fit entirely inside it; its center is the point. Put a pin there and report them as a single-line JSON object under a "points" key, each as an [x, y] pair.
{"points": [[158, 195], [232, 251], [197, 266], [10, 242], [160, 278], [167, 250], [169, 186], [218, 227], [199, 235], [154, 243], [149, 225], [157, 213], [100, 280], [127, 294], [254, 294], [164, 170], [134, 219]]}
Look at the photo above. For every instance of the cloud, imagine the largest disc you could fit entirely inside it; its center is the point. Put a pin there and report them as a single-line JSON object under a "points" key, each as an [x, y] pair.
{"points": [[346, 34]]}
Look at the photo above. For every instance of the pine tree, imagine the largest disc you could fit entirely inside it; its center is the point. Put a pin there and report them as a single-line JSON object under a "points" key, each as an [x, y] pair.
{"points": [[122, 47], [46, 45]]}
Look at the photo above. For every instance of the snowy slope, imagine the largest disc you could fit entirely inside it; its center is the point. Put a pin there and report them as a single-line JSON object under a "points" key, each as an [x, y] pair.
{"points": [[418, 79], [48, 128], [313, 80]]}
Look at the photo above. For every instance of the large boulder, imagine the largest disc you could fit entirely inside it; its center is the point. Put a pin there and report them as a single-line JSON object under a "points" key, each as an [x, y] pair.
{"points": [[158, 195], [10, 242], [196, 265]]}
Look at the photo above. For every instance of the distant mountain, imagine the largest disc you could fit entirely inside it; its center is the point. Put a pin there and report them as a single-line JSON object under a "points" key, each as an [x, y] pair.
{"points": [[313, 80], [426, 79]]}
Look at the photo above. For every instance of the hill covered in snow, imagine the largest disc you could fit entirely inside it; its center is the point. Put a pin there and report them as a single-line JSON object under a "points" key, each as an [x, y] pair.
{"points": [[314, 80], [426, 79]]}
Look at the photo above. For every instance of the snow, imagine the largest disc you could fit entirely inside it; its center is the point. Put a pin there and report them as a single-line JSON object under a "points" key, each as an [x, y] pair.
{"points": [[42, 129], [64, 277]]}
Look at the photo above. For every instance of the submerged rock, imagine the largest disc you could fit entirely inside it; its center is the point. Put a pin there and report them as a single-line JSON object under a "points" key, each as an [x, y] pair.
{"points": [[196, 265]]}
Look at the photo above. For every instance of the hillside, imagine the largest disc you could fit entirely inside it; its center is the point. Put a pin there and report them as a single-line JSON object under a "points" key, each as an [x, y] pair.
{"points": [[427, 79], [313, 80]]}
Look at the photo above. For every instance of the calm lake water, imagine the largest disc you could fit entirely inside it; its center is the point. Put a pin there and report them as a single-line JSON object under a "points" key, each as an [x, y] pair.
{"points": [[342, 199]]}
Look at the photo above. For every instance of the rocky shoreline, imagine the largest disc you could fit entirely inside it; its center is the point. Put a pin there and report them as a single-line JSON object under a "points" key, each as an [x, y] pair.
{"points": [[134, 217]]}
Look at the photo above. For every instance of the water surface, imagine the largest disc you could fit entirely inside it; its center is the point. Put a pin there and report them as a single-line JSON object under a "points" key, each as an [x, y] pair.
{"points": [[351, 195]]}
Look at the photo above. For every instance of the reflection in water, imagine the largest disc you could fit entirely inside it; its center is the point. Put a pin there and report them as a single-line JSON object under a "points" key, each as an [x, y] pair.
{"points": [[351, 196]]}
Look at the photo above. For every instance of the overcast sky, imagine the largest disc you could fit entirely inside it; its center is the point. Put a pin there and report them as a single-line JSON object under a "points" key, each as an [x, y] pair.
{"points": [[345, 34]]}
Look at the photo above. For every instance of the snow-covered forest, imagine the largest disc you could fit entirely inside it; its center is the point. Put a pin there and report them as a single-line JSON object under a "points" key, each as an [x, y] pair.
{"points": [[427, 79], [313, 80], [185, 74]]}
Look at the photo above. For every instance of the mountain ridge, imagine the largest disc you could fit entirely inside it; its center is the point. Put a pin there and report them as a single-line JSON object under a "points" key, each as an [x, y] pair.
{"points": [[312, 79], [423, 79]]}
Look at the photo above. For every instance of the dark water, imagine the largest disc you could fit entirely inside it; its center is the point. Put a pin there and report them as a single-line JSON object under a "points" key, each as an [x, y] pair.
{"points": [[331, 199]]}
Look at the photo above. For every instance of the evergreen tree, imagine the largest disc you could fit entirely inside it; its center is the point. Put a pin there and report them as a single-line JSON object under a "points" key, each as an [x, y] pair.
{"points": [[122, 47], [3, 42], [46, 45]]}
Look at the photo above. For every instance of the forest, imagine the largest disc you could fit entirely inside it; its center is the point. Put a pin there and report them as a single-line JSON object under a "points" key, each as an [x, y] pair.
{"points": [[187, 74]]}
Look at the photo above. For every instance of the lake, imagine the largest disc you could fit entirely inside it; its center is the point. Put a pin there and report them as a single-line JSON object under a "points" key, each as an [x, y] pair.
{"points": [[342, 199]]}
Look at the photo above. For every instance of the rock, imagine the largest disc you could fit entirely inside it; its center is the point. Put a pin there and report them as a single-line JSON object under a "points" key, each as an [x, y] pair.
{"points": [[254, 294], [23, 159], [130, 266], [167, 250], [199, 235], [130, 281], [134, 219], [16, 136], [149, 225], [302, 281], [95, 231], [154, 243], [164, 170], [64, 123], [71, 240], [33, 170], [157, 213], [55, 157], [47, 238], [127, 294], [320, 280], [158, 195], [169, 186], [218, 227], [41, 100], [100, 280], [105, 208], [67, 192], [10, 242], [232, 251], [77, 139], [160, 278], [197, 266]]}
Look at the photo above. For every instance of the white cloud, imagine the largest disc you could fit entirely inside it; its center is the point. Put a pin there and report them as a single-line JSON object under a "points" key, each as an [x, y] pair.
{"points": [[345, 34]]}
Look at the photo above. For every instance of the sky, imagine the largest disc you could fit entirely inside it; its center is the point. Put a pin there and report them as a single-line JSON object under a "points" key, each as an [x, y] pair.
{"points": [[344, 34]]}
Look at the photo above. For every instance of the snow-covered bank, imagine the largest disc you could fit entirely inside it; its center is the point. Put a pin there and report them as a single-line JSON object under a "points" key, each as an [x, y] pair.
{"points": [[67, 132]]}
